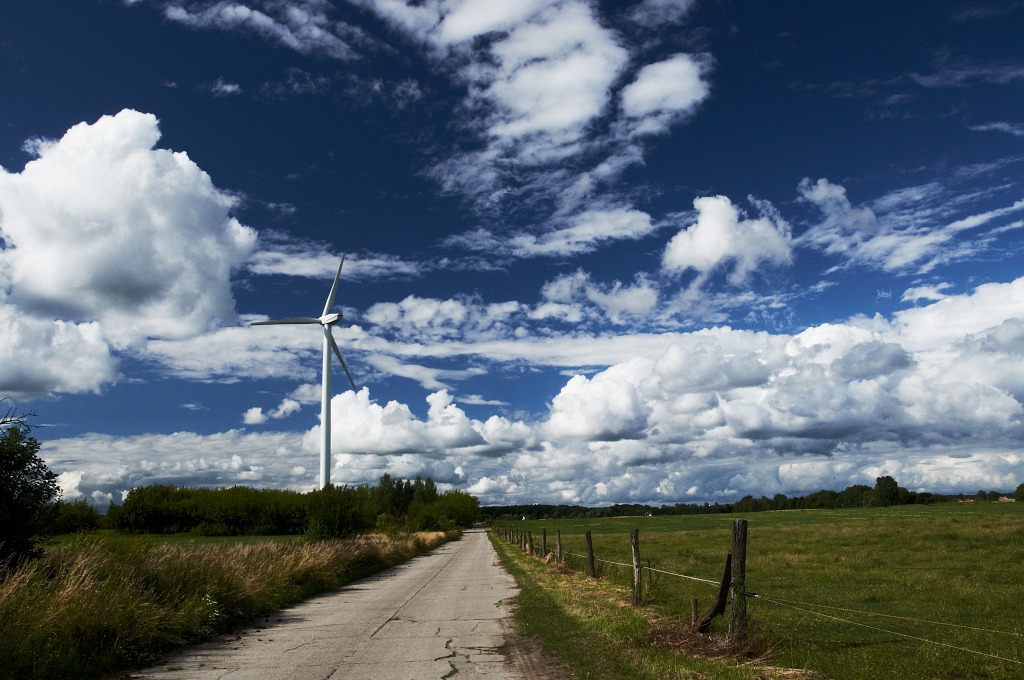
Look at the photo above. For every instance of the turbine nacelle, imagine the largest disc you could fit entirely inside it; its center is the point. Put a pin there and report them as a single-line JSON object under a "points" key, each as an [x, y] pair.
{"points": [[327, 319]]}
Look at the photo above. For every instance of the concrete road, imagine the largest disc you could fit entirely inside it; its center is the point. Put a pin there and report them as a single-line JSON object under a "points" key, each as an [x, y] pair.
{"points": [[438, 616]]}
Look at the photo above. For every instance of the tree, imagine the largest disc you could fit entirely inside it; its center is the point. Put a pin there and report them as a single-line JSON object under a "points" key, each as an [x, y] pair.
{"points": [[9, 414], [332, 512], [1019, 493], [424, 491], [26, 486], [70, 518], [457, 506], [887, 491]]}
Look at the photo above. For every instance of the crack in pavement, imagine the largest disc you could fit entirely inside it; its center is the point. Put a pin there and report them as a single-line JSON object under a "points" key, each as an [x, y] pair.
{"points": [[451, 652]]}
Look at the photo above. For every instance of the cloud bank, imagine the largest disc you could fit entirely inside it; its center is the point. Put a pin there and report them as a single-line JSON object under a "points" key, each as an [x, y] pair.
{"points": [[707, 415]]}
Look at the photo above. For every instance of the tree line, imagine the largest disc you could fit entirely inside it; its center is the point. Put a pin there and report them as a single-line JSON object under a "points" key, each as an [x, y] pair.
{"points": [[31, 506], [886, 492], [392, 505]]}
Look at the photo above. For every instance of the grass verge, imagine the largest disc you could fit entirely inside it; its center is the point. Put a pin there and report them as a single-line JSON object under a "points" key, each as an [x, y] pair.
{"points": [[103, 603], [590, 627]]}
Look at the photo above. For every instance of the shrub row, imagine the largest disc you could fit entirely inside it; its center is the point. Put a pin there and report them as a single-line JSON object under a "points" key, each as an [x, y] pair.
{"points": [[331, 512]]}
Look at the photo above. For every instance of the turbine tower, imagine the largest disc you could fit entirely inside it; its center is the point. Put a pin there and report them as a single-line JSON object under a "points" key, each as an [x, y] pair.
{"points": [[327, 319]]}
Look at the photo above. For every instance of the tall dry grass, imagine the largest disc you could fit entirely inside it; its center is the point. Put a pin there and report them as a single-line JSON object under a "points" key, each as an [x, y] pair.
{"points": [[98, 604]]}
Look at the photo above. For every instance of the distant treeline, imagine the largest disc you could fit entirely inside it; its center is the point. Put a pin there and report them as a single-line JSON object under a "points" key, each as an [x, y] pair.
{"points": [[886, 492], [541, 511], [391, 505]]}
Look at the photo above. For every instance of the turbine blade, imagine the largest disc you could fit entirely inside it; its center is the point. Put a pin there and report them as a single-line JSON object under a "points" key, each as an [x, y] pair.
{"points": [[279, 322], [334, 287], [342, 361]]}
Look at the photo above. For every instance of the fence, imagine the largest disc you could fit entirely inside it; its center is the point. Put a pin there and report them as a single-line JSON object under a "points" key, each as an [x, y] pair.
{"points": [[733, 577], [733, 582]]}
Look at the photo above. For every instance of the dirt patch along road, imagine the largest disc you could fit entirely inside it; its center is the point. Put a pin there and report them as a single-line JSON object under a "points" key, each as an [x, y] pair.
{"points": [[441, 615]]}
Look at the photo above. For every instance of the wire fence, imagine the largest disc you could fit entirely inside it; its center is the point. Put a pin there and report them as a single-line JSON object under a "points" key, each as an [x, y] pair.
{"points": [[805, 608]]}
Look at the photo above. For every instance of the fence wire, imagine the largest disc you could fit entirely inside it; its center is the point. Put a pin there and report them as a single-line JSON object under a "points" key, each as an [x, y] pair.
{"points": [[891, 632], [660, 571]]}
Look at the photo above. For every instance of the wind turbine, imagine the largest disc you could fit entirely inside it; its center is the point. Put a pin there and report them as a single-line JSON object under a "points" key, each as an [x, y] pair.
{"points": [[327, 319]]}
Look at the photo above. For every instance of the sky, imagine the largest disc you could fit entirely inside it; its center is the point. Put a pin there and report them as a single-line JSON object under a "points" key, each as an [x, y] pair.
{"points": [[662, 251]]}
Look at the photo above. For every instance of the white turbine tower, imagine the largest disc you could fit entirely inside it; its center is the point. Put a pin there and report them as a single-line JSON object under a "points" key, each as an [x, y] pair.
{"points": [[327, 319]]}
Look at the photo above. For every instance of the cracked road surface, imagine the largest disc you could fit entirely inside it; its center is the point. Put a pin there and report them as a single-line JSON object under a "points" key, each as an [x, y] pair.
{"points": [[438, 616]]}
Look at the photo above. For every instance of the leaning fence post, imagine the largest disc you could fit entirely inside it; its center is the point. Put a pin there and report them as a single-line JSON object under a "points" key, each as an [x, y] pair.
{"points": [[590, 556], [738, 616], [543, 543], [634, 539], [718, 607]]}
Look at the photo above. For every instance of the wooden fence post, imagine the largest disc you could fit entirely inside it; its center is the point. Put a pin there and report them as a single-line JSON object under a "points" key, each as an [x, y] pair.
{"points": [[543, 543], [738, 616], [591, 572], [529, 543], [634, 539], [558, 542]]}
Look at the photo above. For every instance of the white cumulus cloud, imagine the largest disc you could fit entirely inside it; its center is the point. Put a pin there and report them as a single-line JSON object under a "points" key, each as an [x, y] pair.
{"points": [[108, 241], [723, 237], [664, 93]]}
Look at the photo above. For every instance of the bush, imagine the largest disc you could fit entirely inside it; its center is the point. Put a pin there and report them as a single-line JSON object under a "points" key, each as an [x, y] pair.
{"points": [[332, 512], [70, 518], [26, 486]]}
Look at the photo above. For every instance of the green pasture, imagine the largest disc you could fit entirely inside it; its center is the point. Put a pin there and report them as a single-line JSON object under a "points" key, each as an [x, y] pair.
{"points": [[908, 591]]}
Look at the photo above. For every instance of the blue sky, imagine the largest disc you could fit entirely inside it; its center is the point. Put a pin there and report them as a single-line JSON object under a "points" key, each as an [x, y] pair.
{"points": [[659, 251]]}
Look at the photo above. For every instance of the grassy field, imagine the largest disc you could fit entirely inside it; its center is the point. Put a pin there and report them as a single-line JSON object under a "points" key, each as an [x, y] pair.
{"points": [[98, 603], [908, 592], [591, 630]]}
